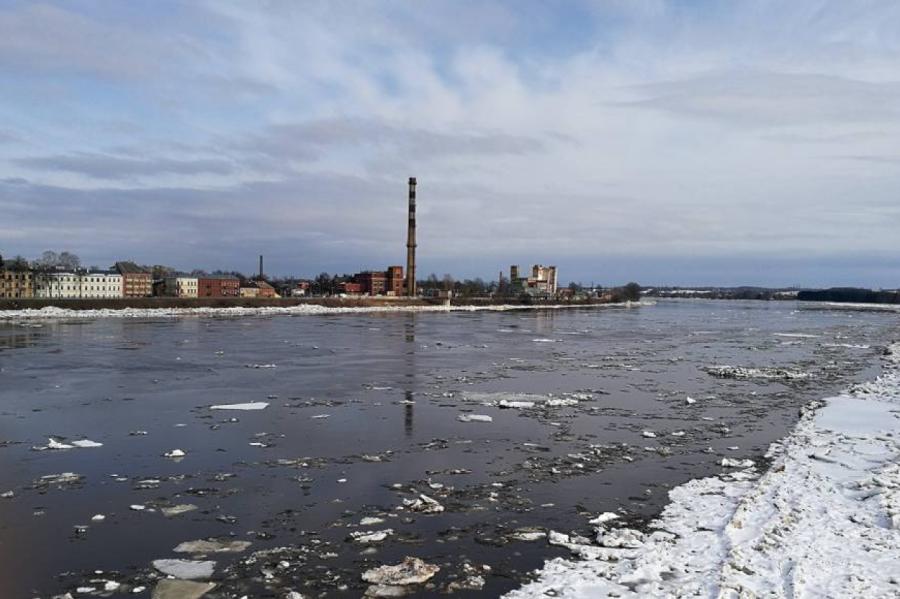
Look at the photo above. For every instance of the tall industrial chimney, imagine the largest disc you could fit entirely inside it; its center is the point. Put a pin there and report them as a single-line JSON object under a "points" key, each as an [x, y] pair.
{"points": [[260, 267], [411, 241]]}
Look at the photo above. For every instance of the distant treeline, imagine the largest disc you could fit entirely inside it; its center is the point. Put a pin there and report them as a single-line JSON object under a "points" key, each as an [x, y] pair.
{"points": [[850, 294]]}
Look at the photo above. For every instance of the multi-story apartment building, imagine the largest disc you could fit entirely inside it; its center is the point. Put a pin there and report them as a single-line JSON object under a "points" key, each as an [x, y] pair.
{"points": [[180, 286], [218, 286], [69, 285], [136, 282], [16, 284]]}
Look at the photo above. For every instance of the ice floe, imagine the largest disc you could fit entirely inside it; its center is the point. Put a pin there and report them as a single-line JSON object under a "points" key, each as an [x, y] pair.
{"points": [[185, 569]]}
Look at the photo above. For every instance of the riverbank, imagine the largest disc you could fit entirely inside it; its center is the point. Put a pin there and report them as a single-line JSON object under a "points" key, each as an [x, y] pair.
{"points": [[823, 520], [174, 307]]}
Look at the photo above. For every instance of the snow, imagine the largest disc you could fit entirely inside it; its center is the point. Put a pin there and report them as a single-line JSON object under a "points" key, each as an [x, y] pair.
{"points": [[246, 407], [824, 521], [52, 313]]}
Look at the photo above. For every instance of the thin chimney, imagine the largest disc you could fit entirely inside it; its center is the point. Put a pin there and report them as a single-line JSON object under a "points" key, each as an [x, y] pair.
{"points": [[411, 241], [260, 267]]}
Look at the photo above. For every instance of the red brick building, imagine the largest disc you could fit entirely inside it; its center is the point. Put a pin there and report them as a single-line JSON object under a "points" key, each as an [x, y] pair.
{"points": [[136, 282], [394, 280], [218, 286], [350, 287], [371, 282]]}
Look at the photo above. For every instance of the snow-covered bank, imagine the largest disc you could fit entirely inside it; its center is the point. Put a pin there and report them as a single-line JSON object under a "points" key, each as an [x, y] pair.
{"points": [[299, 310], [853, 306], [823, 521]]}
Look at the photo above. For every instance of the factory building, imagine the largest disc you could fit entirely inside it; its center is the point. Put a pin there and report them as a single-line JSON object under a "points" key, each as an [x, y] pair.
{"points": [[542, 280]]}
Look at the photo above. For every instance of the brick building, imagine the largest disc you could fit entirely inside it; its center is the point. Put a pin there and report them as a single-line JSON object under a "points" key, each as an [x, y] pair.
{"points": [[218, 286], [136, 282], [371, 282], [394, 280]]}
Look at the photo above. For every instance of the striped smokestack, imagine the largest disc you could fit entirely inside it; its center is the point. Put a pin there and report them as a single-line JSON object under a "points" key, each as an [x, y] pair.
{"points": [[411, 241]]}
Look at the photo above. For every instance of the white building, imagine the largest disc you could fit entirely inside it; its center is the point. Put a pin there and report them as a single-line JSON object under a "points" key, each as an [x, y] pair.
{"points": [[68, 285], [181, 286]]}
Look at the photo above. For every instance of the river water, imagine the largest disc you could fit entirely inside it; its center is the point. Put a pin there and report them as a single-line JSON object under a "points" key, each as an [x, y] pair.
{"points": [[364, 415]]}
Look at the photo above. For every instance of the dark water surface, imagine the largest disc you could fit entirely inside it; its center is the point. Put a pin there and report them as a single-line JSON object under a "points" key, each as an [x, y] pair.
{"points": [[392, 387]]}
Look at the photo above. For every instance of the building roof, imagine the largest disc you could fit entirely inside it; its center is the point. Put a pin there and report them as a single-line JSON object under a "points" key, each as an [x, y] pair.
{"points": [[130, 268], [219, 277]]}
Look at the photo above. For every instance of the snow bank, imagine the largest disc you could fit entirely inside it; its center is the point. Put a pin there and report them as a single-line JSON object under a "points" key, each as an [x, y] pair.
{"points": [[299, 310], [824, 521]]}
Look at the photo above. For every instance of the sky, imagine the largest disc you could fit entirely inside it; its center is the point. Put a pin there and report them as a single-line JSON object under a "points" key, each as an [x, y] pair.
{"points": [[667, 142]]}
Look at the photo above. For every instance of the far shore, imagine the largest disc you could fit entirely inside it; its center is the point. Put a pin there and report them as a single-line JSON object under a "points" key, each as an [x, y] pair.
{"points": [[221, 303]]}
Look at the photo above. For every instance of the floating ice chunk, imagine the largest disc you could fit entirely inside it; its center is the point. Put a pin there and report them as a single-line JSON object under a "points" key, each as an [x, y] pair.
{"points": [[649, 434], [185, 569], [7, 495], [261, 366], [245, 407], [137, 507], [371, 521], [212, 546], [178, 589], [54, 444], [98, 518], [474, 418], [424, 505], [515, 404], [368, 537], [320, 416], [84, 443], [176, 510], [690, 400], [175, 453], [731, 463], [528, 535], [560, 402], [604, 518], [411, 570]]}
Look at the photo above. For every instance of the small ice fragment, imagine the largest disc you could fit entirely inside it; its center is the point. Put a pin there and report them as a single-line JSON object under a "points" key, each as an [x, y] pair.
{"points": [[474, 418], [690, 400], [320, 416], [7, 495], [424, 505], [246, 407], [98, 518], [175, 453], [83, 443], [366, 537], [411, 570], [176, 510], [604, 518], [649, 434], [54, 444], [212, 546], [137, 507], [371, 521]]}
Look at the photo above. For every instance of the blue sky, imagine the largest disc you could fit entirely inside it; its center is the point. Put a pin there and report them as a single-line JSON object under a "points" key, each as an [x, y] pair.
{"points": [[667, 142]]}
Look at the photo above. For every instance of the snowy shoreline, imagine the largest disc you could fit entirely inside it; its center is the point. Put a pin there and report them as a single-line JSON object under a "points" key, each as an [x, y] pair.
{"points": [[823, 520], [51, 313]]}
